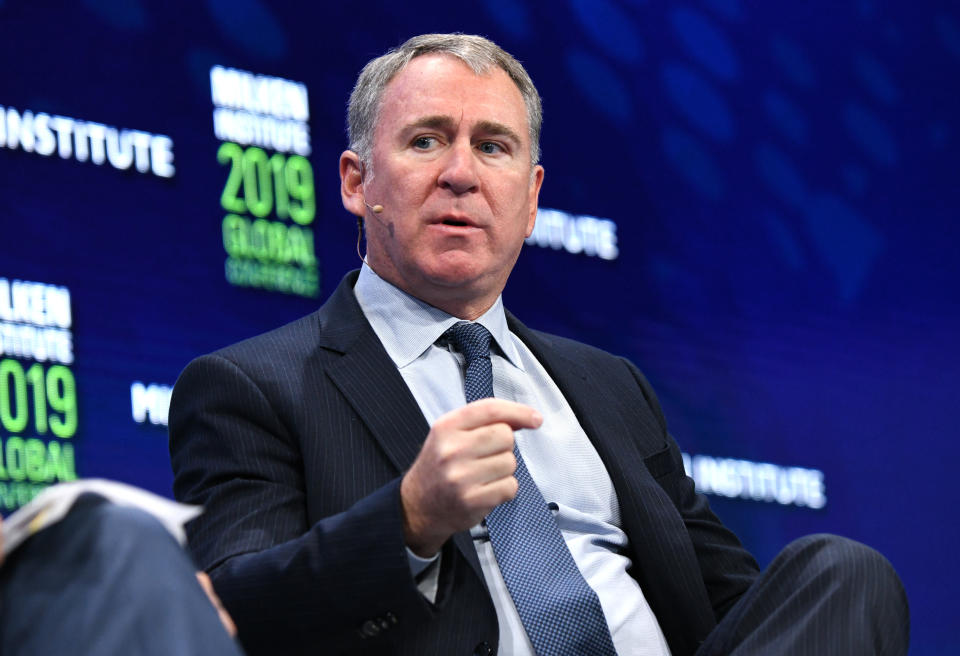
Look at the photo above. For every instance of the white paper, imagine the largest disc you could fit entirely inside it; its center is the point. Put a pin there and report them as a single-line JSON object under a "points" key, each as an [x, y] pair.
{"points": [[54, 502]]}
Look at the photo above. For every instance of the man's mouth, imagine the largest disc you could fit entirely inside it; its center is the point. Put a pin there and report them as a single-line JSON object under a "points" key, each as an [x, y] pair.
{"points": [[456, 221]]}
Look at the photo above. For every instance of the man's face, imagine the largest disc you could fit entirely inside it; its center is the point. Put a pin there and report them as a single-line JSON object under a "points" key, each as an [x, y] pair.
{"points": [[451, 168]]}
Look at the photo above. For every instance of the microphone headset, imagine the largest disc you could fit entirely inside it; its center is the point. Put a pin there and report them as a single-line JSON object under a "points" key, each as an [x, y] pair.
{"points": [[376, 209]]}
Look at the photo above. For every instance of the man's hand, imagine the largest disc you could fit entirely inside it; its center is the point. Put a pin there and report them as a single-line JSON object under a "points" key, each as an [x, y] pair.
{"points": [[225, 618], [463, 471]]}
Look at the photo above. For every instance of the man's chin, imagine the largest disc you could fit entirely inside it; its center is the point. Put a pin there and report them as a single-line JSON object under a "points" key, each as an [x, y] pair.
{"points": [[467, 282], [453, 270], [465, 269], [462, 288]]}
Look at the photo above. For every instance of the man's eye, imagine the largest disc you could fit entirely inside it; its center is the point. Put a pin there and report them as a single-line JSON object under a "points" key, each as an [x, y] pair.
{"points": [[490, 148], [423, 143]]}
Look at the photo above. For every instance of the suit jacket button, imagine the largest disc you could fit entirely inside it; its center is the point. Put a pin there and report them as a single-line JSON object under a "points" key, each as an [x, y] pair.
{"points": [[483, 649], [369, 629]]}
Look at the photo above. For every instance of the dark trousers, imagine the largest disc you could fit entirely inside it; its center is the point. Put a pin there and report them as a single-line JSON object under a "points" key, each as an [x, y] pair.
{"points": [[822, 595], [106, 580]]}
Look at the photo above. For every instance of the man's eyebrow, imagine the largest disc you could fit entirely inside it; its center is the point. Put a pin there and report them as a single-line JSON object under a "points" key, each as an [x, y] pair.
{"points": [[441, 122], [498, 129], [438, 122]]}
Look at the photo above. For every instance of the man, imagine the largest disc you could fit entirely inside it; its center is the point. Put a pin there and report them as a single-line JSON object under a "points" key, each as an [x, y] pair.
{"points": [[364, 497]]}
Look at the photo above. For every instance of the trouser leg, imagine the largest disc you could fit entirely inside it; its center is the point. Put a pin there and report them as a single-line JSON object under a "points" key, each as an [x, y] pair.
{"points": [[106, 580], [822, 595]]}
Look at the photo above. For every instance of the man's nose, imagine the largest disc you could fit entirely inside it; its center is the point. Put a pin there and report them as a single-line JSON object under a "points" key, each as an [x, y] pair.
{"points": [[459, 172]]}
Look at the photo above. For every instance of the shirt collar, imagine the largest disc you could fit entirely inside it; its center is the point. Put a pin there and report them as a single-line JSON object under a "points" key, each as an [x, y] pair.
{"points": [[407, 326]]}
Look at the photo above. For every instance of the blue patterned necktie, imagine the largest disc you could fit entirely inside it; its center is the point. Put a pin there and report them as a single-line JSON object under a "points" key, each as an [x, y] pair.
{"points": [[559, 610]]}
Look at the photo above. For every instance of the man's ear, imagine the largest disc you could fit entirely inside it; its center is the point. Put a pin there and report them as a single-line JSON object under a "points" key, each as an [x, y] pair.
{"points": [[351, 183], [536, 180]]}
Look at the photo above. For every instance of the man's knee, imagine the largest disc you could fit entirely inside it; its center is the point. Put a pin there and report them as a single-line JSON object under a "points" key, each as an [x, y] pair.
{"points": [[122, 520], [841, 558], [822, 587], [853, 572], [118, 528], [119, 542]]}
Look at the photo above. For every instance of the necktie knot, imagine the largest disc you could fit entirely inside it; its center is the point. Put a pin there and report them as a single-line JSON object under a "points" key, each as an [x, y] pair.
{"points": [[470, 339], [473, 341]]}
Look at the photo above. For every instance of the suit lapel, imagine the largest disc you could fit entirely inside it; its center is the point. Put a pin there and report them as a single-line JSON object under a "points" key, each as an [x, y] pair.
{"points": [[372, 385], [369, 379]]}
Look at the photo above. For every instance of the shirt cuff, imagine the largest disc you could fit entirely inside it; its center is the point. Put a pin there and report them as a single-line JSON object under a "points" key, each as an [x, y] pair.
{"points": [[418, 564], [426, 572]]}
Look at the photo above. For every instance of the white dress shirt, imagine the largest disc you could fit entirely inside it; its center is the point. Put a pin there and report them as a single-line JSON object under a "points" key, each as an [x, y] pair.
{"points": [[559, 456]]}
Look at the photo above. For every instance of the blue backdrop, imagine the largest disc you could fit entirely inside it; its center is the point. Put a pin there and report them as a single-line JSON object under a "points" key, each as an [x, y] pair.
{"points": [[756, 202]]}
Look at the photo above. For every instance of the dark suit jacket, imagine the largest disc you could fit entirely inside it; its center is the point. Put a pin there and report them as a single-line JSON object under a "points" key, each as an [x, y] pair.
{"points": [[295, 442]]}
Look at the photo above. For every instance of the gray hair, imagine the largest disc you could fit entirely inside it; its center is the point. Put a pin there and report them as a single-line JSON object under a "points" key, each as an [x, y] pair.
{"points": [[478, 53]]}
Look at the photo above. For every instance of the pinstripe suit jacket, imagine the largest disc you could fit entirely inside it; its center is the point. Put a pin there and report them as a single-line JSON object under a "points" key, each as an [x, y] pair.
{"points": [[295, 442]]}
